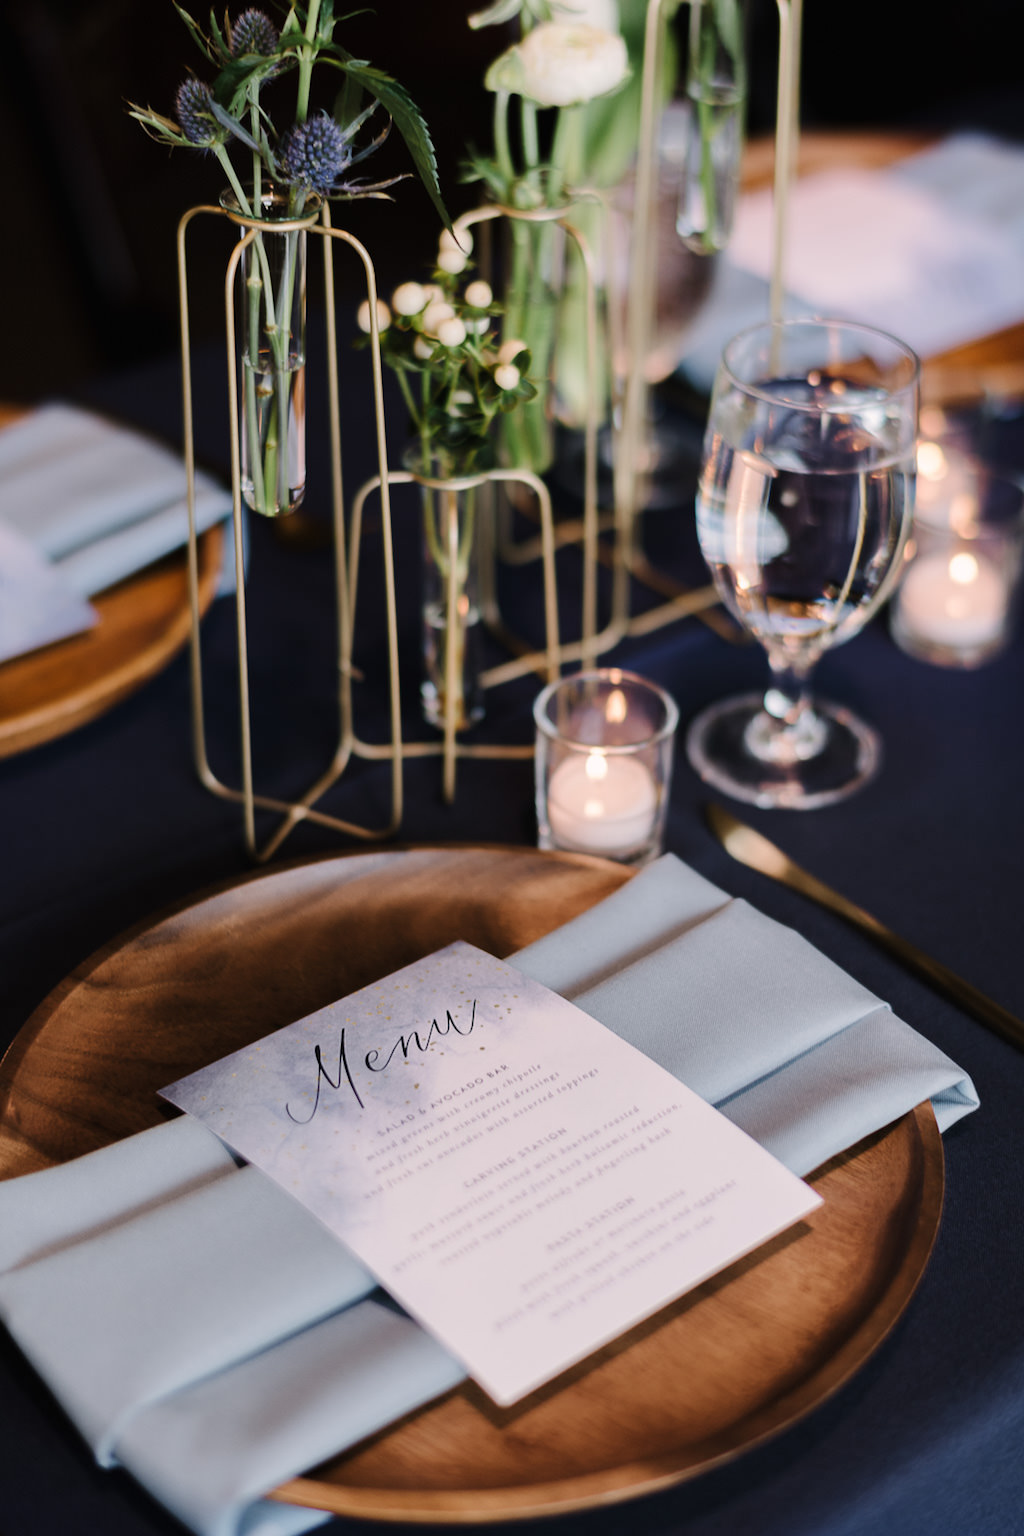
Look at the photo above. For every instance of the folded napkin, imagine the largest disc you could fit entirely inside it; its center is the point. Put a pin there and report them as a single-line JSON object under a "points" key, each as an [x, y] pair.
{"points": [[37, 604], [99, 500], [930, 248], [203, 1330]]}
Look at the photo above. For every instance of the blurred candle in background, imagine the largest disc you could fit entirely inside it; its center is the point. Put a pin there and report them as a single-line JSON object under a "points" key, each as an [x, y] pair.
{"points": [[955, 603]]}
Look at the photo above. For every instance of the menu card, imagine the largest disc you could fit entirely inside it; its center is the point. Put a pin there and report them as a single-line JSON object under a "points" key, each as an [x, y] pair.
{"points": [[527, 1184]]}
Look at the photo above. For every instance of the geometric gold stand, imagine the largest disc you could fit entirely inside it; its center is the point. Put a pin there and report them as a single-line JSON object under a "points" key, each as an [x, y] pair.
{"points": [[292, 813], [304, 809], [629, 447], [449, 747]]}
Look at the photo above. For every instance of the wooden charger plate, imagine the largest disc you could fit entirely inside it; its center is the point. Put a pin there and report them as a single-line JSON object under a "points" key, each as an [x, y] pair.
{"points": [[144, 622], [735, 1361]]}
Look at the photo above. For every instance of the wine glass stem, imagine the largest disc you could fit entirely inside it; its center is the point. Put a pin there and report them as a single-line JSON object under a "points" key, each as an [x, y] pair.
{"points": [[787, 730]]}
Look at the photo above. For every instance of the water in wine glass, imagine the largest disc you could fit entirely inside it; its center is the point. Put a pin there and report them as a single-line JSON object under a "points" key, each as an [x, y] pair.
{"points": [[803, 507], [800, 512]]}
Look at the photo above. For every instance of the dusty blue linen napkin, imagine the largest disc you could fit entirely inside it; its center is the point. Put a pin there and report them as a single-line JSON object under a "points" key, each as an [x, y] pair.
{"points": [[221, 1341], [747, 1013], [98, 499]]}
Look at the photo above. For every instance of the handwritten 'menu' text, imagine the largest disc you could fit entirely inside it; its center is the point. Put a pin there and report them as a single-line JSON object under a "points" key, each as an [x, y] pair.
{"points": [[400, 1050]]}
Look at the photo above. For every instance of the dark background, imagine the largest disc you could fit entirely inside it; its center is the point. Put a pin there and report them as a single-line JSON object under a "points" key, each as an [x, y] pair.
{"points": [[91, 204]]}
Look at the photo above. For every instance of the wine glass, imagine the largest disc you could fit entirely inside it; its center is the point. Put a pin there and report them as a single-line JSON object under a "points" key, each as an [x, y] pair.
{"points": [[803, 507]]}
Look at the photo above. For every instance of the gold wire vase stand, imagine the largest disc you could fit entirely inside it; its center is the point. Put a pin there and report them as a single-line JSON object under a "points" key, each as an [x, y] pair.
{"points": [[289, 814], [632, 395], [548, 662], [500, 546]]}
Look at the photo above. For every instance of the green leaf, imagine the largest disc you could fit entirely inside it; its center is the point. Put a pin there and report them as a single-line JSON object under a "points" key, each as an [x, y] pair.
{"points": [[200, 39], [348, 103], [220, 42], [729, 21], [269, 159], [406, 117], [158, 126], [233, 84], [292, 38], [234, 127]]}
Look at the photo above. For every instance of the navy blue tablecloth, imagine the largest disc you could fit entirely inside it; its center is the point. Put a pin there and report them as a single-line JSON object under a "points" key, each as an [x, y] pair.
{"points": [[110, 824]]}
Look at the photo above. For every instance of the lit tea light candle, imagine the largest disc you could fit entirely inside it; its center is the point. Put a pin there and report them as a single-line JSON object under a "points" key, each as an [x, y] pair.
{"points": [[958, 600], [601, 803]]}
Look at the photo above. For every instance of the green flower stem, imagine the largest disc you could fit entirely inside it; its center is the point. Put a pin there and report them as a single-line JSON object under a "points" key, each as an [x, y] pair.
{"points": [[524, 445], [432, 531], [532, 296], [306, 58], [282, 345], [449, 543], [502, 149], [536, 415], [257, 160], [437, 544], [248, 374], [410, 404], [706, 119], [247, 212], [531, 144], [269, 322], [251, 375]]}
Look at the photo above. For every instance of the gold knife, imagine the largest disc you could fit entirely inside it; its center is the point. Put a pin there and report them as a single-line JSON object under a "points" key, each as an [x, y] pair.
{"points": [[750, 848]]}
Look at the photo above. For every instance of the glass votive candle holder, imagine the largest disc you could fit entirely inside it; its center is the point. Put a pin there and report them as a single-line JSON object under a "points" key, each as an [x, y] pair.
{"points": [[956, 601], [605, 742]]}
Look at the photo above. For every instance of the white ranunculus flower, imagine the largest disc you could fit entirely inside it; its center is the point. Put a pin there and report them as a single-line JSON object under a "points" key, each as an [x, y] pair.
{"points": [[560, 64]]}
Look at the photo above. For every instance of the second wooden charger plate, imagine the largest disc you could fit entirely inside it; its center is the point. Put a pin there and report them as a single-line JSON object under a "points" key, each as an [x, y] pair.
{"points": [[144, 621], [735, 1361]]}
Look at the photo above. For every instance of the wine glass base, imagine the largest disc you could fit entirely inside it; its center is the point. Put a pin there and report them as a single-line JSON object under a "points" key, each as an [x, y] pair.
{"points": [[715, 745]]}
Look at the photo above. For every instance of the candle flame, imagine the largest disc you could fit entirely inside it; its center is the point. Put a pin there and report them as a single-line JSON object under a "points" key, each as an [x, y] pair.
{"points": [[596, 767], [931, 461], [616, 709], [963, 569]]}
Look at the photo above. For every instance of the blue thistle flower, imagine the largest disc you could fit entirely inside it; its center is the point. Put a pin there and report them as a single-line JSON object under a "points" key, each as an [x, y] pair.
{"points": [[194, 108], [314, 154], [254, 32]]}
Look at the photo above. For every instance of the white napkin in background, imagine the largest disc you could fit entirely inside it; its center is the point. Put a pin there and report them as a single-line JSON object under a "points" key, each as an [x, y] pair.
{"points": [[211, 1388], [99, 500], [38, 604], [930, 248]]}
